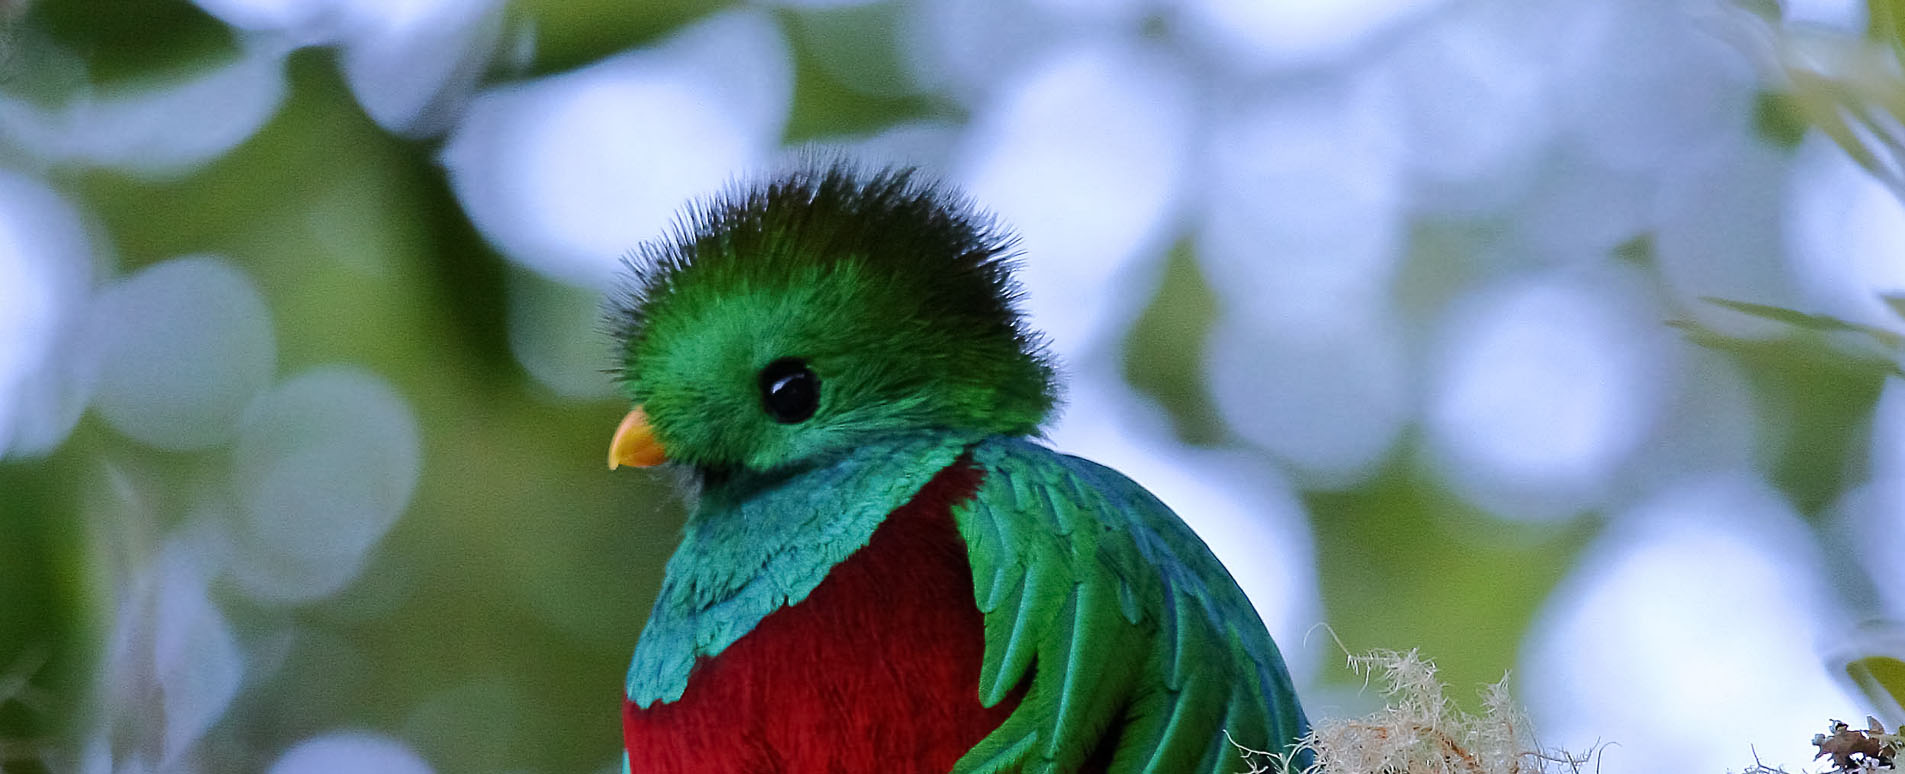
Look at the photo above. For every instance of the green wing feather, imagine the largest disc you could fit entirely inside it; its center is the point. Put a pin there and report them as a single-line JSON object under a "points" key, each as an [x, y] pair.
{"points": [[1116, 618]]}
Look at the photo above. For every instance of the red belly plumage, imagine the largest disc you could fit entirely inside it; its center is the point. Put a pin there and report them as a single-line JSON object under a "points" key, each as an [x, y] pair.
{"points": [[877, 670]]}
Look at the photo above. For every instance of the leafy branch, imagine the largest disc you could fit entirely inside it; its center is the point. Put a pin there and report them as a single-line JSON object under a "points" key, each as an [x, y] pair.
{"points": [[1889, 341], [1850, 88]]}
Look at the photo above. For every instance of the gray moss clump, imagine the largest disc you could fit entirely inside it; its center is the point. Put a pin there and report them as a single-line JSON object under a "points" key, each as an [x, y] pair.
{"points": [[1420, 731]]}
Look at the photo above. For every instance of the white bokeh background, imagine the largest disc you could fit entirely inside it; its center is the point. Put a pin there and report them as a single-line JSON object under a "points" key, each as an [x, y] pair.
{"points": [[1314, 161]]}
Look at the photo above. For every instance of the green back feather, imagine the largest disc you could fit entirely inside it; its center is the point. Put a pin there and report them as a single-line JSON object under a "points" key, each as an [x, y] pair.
{"points": [[1118, 614]]}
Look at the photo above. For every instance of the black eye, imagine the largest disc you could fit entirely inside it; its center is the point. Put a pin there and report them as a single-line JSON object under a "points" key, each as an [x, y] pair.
{"points": [[789, 391]]}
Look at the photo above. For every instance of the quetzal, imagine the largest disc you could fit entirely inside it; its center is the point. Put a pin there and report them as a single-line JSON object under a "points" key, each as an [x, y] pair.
{"points": [[884, 571]]}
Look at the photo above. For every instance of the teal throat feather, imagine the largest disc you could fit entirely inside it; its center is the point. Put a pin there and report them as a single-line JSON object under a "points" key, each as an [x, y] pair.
{"points": [[740, 561]]}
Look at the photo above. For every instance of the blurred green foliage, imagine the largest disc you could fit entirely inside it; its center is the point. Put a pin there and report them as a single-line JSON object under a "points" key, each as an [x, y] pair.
{"points": [[1886, 19], [573, 33], [122, 41]]}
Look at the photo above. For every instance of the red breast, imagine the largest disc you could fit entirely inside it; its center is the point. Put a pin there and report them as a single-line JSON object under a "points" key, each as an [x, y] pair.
{"points": [[877, 670]]}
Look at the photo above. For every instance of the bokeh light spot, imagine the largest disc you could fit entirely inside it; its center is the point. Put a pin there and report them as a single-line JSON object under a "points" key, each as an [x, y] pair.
{"points": [[1719, 234], [1329, 403], [1304, 218], [1840, 15], [568, 173], [325, 464], [359, 752], [413, 65], [1475, 97], [1084, 154], [1547, 385], [555, 333], [1870, 519], [170, 129], [182, 347], [195, 654], [1845, 234], [1647, 81], [1253, 35], [1697, 610], [970, 49], [46, 268]]}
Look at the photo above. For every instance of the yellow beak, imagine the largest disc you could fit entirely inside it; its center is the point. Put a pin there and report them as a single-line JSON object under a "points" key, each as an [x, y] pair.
{"points": [[634, 444]]}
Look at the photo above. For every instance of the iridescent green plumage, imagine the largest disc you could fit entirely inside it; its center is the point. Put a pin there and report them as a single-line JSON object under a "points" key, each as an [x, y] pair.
{"points": [[1073, 564], [895, 292], [1104, 617]]}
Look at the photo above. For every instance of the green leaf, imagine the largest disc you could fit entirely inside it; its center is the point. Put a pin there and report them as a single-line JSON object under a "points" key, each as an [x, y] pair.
{"points": [[1165, 350], [1782, 314], [1882, 678], [1896, 301], [1765, 9], [1779, 118], [574, 33], [1886, 22], [1890, 339], [129, 41]]}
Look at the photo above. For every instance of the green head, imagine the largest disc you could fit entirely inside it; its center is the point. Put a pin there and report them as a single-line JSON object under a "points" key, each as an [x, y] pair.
{"points": [[794, 319]]}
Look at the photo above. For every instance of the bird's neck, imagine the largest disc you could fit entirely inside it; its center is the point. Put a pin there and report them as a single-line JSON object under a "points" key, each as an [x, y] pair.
{"points": [[758, 543]]}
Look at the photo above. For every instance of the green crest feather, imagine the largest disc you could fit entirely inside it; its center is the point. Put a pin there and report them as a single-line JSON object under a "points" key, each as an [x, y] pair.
{"points": [[895, 292]]}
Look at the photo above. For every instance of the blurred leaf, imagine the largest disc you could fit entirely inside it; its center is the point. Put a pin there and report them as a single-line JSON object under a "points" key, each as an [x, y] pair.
{"points": [[1447, 258], [1638, 251], [474, 726], [1816, 391], [469, 272], [1164, 352], [1896, 301], [1765, 9], [1809, 394], [1407, 564], [825, 106], [43, 609], [1777, 120], [1886, 21], [1849, 88], [1882, 678], [134, 38], [1889, 339], [573, 33]]}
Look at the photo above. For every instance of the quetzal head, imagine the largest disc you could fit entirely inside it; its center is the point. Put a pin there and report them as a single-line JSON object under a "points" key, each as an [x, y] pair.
{"points": [[787, 321]]}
